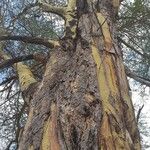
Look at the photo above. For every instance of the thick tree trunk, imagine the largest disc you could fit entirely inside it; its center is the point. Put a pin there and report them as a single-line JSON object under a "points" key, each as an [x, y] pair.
{"points": [[83, 101]]}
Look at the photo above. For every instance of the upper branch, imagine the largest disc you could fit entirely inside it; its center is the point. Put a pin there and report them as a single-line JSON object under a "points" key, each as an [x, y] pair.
{"points": [[33, 40], [68, 13], [45, 8], [40, 57], [10, 62], [61, 11], [25, 10], [26, 78], [139, 112], [137, 77], [132, 48]]}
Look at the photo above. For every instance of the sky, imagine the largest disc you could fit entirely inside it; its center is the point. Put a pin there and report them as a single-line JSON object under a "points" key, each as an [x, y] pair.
{"points": [[141, 96]]}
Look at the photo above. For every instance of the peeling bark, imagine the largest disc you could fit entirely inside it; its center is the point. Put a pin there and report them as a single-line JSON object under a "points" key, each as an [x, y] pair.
{"points": [[83, 100]]}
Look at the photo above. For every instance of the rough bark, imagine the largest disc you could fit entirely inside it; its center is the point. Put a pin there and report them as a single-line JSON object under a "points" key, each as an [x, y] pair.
{"points": [[83, 101]]}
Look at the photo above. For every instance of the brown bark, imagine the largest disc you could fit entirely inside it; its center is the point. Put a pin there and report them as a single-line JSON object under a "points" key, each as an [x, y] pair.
{"points": [[40, 57], [28, 39], [83, 101]]}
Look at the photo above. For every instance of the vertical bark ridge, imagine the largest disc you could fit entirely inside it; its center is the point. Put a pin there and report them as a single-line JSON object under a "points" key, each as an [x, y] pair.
{"points": [[113, 124], [129, 115], [50, 137], [43, 123], [105, 31], [111, 118], [78, 105], [83, 102]]}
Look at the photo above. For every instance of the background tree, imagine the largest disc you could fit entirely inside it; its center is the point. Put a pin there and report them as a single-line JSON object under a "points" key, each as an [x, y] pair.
{"points": [[29, 22]]}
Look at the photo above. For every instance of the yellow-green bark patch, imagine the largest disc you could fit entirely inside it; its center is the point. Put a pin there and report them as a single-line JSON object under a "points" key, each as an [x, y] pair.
{"points": [[26, 77], [116, 3], [100, 74], [70, 16], [28, 123], [102, 83], [50, 139], [46, 144], [31, 147], [105, 30], [55, 43], [110, 138], [111, 74]]}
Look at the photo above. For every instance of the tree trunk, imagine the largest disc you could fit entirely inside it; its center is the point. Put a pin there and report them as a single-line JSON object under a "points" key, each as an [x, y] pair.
{"points": [[83, 101]]}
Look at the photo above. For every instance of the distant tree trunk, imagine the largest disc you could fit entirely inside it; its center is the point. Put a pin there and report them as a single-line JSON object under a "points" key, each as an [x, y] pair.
{"points": [[83, 101]]}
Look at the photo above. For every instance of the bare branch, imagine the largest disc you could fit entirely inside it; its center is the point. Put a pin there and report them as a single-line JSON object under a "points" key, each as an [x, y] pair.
{"points": [[26, 77], [25, 10], [61, 11], [45, 8], [28, 39], [10, 62], [132, 48], [8, 80], [137, 77], [139, 112], [41, 57], [7, 86]]}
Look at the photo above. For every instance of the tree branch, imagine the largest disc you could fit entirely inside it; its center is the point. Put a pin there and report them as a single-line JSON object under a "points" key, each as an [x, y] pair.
{"points": [[7, 80], [137, 77], [26, 78], [25, 10], [11, 142], [10, 62], [139, 112], [41, 57], [132, 48], [45, 8], [61, 11], [33, 40]]}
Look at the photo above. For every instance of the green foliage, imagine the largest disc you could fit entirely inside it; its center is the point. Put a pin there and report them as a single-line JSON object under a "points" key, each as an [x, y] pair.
{"points": [[134, 28]]}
